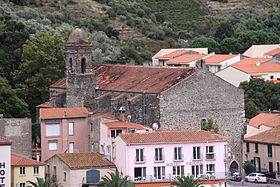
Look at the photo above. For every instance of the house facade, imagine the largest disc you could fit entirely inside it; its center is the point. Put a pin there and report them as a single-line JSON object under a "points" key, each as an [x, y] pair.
{"points": [[78, 169], [259, 51], [63, 130], [25, 169], [5, 162], [164, 155]]}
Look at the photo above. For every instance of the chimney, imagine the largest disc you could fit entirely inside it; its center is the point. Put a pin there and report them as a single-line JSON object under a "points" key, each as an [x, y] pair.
{"points": [[200, 64], [258, 64], [212, 133], [122, 117]]}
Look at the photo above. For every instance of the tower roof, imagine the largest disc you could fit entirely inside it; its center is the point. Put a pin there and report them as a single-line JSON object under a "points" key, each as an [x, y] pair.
{"points": [[78, 36]]}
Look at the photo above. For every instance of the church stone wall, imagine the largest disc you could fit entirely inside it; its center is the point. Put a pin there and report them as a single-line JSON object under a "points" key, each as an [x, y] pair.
{"points": [[204, 96]]}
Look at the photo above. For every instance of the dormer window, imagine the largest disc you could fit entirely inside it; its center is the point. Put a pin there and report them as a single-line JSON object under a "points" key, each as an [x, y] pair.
{"points": [[83, 65]]}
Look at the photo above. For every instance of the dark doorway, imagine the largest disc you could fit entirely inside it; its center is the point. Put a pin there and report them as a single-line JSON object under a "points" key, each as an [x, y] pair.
{"points": [[233, 167], [83, 65], [270, 167]]}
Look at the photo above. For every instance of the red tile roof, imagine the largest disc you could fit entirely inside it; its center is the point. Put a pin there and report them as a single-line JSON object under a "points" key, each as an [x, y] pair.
{"points": [[273, 52], [17, 160], [248, 61], [267, 119], [55, 113], [61, 83], [107, 115], [271, 136], [171, 136], [47, 104], [139, 78], [275, 81], [173, 54], [216, 59], [4, 141], [124, 124], [84, 160], [187, 58]]}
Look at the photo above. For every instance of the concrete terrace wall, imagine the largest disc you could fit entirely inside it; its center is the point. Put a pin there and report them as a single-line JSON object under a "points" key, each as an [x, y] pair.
{"points": [[203, 96], [19, 131]]}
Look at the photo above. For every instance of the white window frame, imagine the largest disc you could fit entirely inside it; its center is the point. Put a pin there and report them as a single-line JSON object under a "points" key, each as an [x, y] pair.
{"points": [[22, 185], [22, 171], [53, 131], [159, 172], [71, 129], [52, 145], [36, 170], [197, 153], [197, 169], [159, 156], [178, 171], [210, 168], [178, 156], [71, 147], [139, 155]]}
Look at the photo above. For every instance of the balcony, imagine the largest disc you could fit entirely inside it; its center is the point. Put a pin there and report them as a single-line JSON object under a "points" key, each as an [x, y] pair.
{"points": [[178, 157], [140, 160], [210, 156], [159, 158]]}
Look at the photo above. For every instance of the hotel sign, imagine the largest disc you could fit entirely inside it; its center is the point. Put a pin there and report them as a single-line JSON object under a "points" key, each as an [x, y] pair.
{"points": [[2, 172]]}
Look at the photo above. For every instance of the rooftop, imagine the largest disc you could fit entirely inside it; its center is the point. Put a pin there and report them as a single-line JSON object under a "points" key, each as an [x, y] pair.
{"points": [[167, 136], [56, 113], [4, 141], [187, 58], [61, 83], [271, 136], [47, 104], [17, 160], [173, 54], [107, 115], [84, 160], [216, 59], [273, 52], [267, 119], [124, 124]]}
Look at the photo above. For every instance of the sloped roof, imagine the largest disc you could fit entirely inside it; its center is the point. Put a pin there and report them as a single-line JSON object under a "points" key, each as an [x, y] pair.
{"points": [[250, 61], [187, 58], [271, 136], [17, 160], [267, 119], [173, 54], [164, 136], [56, 113], [84, 160], [273, 52], [61, 83], [4, 141], [124, 124], [47, 104], [262, 68], [107, 115], [139, 78], [216, 59]]}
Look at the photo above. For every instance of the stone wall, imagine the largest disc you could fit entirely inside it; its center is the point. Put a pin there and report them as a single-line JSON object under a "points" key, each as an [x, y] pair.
{"points": [[204, 96], [19, 131]]}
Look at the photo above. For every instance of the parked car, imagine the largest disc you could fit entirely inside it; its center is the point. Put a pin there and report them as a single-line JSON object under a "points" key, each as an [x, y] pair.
{"points": [[236, 176], [255, 177]]}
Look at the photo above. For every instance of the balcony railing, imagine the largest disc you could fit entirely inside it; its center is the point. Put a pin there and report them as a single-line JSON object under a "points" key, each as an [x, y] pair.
{"points": [[168, 178], [210, 156], [178, 157], [159, 159], [140, 159]]}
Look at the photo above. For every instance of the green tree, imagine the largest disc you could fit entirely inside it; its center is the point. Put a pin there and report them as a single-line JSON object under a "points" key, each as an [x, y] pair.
{"points": [[42, 183], [186, 181], [230, 45], [212, 45], [114, 180], [248, 167], [10, 104], [224, 30], [209, 125], [43, 63]]}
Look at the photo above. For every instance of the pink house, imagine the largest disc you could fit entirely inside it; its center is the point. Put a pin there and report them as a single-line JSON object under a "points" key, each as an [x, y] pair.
{"points": [[63, 130], [165, 154]]}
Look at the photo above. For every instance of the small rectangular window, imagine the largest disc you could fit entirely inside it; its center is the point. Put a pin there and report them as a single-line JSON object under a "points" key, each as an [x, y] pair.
{"points": [[22, 171], [52, 129], [21, 184], [71, 129], [247, 147], [52, 145], [256, 148], [269, 150], [36, 170]]}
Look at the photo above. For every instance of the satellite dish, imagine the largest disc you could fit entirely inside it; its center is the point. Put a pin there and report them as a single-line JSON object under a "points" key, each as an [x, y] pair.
{"points": [[128, 118], [155, 126]]}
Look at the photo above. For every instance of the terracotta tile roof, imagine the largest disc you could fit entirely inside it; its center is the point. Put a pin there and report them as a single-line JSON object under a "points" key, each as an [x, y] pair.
{"points": [[248, 61], [124, 124], [107, 115], [58, 93], [54, 113], [171, 136], [271, 136], [61, 83], [17, 160], [275, 81], [267, 119], [84, 160], [139, 78], [173, 54], [250, 66], [47, 104], [187, 58], [216, 59], [273, 52], [4, 141]]}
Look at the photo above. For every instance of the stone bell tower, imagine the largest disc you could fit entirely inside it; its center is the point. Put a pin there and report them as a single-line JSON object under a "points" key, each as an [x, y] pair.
{"points": [[81, 82]]}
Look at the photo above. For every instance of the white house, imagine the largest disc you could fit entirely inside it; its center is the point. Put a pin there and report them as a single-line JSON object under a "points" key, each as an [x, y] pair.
{"points": [[167, 54], [259, 51], [5, 162], [263, 68], [165, 154]]}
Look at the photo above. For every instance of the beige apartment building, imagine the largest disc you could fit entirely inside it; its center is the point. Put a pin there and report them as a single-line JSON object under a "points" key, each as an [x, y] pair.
{"points": [[263, 150]]}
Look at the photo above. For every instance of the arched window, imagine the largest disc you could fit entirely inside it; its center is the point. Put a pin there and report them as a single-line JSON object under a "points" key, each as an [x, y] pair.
{"points": [[83, 65], [70, 65]]}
